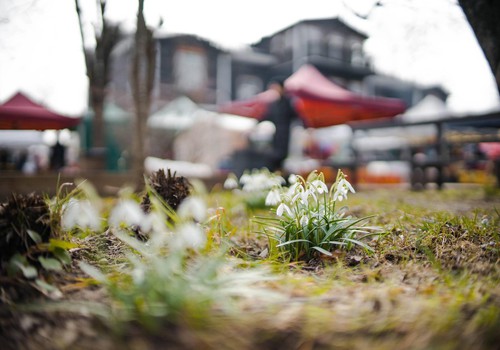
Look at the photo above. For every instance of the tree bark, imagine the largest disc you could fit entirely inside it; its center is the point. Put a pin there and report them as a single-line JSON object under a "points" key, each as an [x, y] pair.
{"points": [[97, 63], [143, 68], [483, 16]]}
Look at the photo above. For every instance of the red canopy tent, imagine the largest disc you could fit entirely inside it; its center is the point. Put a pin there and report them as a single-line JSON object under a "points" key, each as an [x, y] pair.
{"points": [[320, 102], [21, 113], [254, 107]]}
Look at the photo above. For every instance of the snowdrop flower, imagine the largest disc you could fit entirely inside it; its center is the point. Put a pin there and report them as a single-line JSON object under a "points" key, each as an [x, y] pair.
{"points": [[343, 187], [189, 235], [231, 182], [256, 182], [295, 188], [319, 186], [303, 194], [282, 208], [260, 181], [128, 213], [138, 275], [340, 194], [292, 179], [313, 194], [304, 220], [157, 221], [245, 178], [273, 197], [193, 207], [80, 213], [278, 180]]}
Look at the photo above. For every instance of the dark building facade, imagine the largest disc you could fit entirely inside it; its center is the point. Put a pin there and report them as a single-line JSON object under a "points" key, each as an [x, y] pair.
{"points": [[187, 66], [332, 46], [191, 66]]}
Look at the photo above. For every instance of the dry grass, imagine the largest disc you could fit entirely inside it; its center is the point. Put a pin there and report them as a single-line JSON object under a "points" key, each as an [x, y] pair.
{"points": [[431, 283]]}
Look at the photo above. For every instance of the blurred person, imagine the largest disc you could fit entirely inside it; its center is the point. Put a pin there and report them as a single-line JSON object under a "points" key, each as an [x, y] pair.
{"points": [[282, 115], [57, 156], [4, 158], [21, 159]]}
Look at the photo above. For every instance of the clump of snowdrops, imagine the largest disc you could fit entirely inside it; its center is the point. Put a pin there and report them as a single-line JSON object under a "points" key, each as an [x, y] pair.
{"points": [[307, 219], [253, 186], [176, 275]]}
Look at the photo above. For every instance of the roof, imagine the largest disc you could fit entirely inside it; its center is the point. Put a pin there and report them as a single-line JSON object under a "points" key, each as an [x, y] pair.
{"points": [[486, 120], [178, 114], [429, 108], [189, 37], [337, 19], [22, 113]]}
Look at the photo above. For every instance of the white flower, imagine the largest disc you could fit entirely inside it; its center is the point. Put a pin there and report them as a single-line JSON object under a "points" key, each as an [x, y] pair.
{"points": [[138, 275], [343, 187], [279, 180], [319, 186], [189, 235], [231, 182], [313, 194], [273, 197], [304, 220], [260, 181], [303, 195], [293, 189], [245, 178], [292, 179], [282, 208], [346, 184], [340, 194], [157, 220], [297, 190], [80, 213], [128, 213], [193, 207]]}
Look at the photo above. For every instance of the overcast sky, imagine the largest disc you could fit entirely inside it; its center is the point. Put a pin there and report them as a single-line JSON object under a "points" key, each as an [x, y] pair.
{"points": [[424, 41]]}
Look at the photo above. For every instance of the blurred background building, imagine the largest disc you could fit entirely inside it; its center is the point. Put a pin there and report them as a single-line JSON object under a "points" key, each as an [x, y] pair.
{"points": [[191, 66]]}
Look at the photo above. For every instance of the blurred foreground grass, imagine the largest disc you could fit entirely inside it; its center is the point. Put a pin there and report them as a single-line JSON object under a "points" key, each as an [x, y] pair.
{"points": [[432, 282]]}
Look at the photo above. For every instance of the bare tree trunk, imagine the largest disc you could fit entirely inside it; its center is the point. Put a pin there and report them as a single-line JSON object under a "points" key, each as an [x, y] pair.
{"points": [[483, 16], [97, 62], [143, 68]]}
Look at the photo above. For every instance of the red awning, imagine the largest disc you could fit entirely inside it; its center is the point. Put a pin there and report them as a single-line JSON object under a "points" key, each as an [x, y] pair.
{"points": [[320, 102], [254, 107], [21, 113]]}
